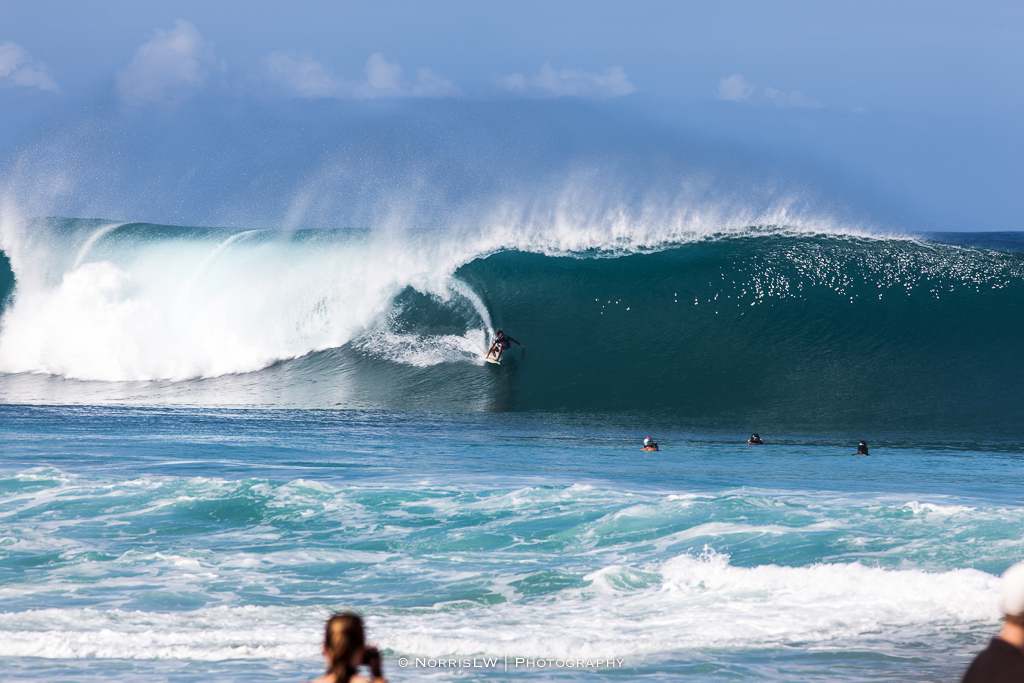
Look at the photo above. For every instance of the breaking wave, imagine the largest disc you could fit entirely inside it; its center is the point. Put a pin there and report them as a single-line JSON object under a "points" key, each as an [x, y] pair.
{"points": [[699, 321]]}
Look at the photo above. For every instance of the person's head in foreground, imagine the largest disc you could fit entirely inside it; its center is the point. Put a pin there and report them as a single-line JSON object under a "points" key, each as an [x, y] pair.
{"points": [[1012, 603], [345, 651], [862, 448], [755, 440], [1003, 659]]}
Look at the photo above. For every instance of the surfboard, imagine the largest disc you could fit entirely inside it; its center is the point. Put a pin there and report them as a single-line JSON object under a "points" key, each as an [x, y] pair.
{"points": [[492, 360]]}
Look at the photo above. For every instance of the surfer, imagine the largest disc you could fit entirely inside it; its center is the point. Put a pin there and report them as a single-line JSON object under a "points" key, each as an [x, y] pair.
{"points": [[501, 342], [1003, 659], [345, 650], [650, 444], [862, 448], [755, 440]]}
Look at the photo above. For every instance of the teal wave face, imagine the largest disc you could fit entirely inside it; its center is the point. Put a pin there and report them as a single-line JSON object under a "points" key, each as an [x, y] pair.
{"points": [[801, 328], [6, 279]]}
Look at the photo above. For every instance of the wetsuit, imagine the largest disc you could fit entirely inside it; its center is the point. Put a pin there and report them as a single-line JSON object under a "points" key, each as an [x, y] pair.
{"points": [[1000, 662]]}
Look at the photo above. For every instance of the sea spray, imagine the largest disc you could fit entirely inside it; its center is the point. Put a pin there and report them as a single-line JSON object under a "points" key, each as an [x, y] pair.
{"points": [[145, 303]]}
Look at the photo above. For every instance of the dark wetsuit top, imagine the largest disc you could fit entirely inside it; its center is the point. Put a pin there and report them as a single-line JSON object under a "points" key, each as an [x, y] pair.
{"points": [[503, 342], [1000, 662]]}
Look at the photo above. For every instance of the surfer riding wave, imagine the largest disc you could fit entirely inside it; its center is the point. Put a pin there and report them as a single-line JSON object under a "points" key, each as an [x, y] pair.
{"points": [[501, 342]]}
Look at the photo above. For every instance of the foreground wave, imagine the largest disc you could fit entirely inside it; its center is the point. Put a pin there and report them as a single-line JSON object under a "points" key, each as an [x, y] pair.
{"points": [[533, 571], [780, 323]]}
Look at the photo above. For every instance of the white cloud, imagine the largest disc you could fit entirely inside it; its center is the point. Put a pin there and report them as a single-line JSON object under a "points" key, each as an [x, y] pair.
{"points": [[173, 64], [18, 67], [300, 75], [303, 76], [550, 82], [735, 88], [515, 82], [794, 98], [429, 84], [382, 74]]}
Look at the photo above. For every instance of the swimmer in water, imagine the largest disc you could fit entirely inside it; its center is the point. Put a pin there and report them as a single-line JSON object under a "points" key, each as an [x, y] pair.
{"points": [[755, 440], [501, 342], [862, 448], [650, 444]]}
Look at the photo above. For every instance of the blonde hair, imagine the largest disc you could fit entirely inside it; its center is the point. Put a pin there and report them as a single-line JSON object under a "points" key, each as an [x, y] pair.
{"points": [[343, 637]]}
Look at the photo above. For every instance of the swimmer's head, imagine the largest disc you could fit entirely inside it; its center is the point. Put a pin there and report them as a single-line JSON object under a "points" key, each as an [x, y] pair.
{"points": [[344, 641], [648, 442], [755, 437], [1012, 603], [862, 447]]}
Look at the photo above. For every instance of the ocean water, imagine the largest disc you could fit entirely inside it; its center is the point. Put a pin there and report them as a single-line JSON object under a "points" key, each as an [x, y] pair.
{"points": [[211, 439]]}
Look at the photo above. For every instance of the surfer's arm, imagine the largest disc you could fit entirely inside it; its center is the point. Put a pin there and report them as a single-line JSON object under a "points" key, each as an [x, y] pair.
{"points": [[520, 345]]}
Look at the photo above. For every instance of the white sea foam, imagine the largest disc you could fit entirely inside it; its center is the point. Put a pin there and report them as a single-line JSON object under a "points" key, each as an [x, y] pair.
{"points": [[424, 351], [185, 308], [942, 510], [705, 602], [207, 634], [686, 602]]}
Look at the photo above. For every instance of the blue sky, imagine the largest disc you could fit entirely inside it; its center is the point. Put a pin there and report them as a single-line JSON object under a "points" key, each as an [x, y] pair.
{"points": [[904, 114]]}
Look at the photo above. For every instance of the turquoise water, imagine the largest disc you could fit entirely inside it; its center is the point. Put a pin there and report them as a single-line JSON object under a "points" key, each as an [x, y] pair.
{"points": [[212, 439], [182, 543]]}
